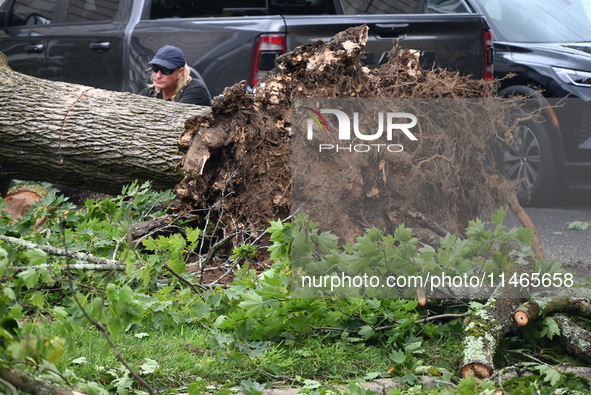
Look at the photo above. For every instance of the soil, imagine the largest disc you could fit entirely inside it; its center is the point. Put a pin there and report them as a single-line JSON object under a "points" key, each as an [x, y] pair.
{"points": [[238, 159]]}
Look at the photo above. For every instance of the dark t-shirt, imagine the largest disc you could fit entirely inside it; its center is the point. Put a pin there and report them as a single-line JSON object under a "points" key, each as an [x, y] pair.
{"points": [[193, 93]]}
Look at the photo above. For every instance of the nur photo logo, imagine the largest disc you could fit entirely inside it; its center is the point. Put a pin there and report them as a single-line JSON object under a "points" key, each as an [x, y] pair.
{"points": [[354, 135]]}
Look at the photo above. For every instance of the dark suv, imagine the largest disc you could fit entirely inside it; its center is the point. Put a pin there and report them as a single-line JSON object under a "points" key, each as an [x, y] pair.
{"points": [[547, 45]]}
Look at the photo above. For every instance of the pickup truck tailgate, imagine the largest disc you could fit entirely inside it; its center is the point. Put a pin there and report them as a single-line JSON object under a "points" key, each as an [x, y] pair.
{"points": [[453, 41]]}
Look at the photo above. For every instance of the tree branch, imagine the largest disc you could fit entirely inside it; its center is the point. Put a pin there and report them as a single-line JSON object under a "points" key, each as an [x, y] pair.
{"points": [[80, 266], [26, 383], [79, 256]]}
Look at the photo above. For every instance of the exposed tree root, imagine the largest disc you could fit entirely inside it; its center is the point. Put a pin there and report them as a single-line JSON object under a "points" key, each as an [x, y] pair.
{"points": [[526, 221], [244, 147]]}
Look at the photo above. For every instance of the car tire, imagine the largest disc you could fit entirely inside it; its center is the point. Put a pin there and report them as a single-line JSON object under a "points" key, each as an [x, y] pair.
{"points": [[531, 159]]}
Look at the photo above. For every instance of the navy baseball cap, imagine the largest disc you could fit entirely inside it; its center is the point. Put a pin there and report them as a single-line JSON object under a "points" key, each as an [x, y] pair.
{"points": [[169, 57]]}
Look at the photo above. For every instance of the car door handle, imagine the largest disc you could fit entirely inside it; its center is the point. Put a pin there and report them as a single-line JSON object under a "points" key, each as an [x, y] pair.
{"points": [[392, 27], [100, 46], [35, 48], [391, 30]]}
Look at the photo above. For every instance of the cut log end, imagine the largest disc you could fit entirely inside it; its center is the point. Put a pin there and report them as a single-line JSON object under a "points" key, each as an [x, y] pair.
{"points": [[422, 297], [478, 370], [521, 317], [20, 199]]}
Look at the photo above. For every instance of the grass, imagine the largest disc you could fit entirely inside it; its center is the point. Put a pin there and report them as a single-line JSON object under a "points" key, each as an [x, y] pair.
{"points": [[189, 353]]}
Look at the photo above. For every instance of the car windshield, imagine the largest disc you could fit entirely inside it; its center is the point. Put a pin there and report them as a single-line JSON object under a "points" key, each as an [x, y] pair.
{"points": [[539, 20]]}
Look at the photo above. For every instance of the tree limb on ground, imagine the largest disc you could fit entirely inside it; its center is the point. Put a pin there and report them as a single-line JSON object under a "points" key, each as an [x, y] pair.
{"points": [[532, 309], [79, 256], [483, 332], [576, 340], [22, 381]]}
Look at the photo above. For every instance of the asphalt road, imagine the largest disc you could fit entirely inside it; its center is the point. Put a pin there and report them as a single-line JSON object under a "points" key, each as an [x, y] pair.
{"points": [[572, 247]]}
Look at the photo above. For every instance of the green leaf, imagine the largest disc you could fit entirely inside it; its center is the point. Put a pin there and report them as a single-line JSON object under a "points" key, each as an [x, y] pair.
{"points": [[79, 361], [550, 374], [55, 355], [550, 328], [17, 350], [174, 243], [498, 217], [29, 277], [9, 292], [467, 386], [410, 379], [252, 304], [149, 244], [327, 241], [3, 261], [126, 308], [366, 331], [413, 346], [312, 384], [250, 387], [192, 234], [36, 257], [123, 384], [525, 235], [578, 225], [372, 376], [247, 250], [398, 356], [149, 366], [37, 299], [197, 387], [178, 265]]}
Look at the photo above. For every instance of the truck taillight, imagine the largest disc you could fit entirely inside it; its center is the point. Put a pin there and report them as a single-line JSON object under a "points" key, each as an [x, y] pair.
{"points": [[267, 48], [488, 56]]}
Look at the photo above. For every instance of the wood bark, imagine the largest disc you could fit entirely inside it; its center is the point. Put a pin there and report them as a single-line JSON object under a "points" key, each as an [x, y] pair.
{"points": [[575, 339], [22, 381], [86, 137], [75, 255], [484, 330], [533, 309]]}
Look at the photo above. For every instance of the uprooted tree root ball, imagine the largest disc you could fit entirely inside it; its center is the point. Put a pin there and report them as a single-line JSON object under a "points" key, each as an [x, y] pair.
{"points": [[238, 157]]}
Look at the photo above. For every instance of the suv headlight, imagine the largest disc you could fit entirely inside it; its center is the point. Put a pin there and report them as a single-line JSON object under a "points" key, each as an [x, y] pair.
{"points": [[573, 77]]}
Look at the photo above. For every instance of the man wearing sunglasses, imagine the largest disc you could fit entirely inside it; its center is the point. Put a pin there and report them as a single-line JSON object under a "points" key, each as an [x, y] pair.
{"points": [[171, 78]]}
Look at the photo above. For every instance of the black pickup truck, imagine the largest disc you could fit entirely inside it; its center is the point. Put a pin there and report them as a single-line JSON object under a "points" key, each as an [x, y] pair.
{"points": [[107, 43]]}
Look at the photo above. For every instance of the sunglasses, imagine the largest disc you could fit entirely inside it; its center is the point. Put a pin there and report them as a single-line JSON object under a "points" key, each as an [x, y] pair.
{"points": [[163, 70]]}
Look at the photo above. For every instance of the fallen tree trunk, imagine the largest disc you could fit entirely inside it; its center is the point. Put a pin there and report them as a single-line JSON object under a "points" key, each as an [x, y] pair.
{"points": [[86, 137]]}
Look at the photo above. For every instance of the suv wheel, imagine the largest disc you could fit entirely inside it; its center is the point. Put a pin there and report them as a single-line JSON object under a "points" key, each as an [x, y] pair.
{"points": [[532, 160]]}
